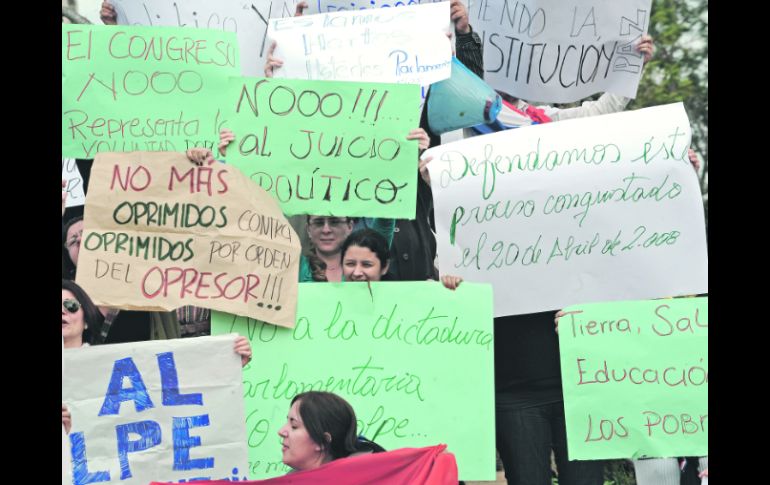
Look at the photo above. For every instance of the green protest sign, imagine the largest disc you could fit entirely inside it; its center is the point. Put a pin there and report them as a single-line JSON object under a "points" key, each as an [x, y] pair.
{"points": [[327, 148], [635, 378], [143, 88], [414, 359]]}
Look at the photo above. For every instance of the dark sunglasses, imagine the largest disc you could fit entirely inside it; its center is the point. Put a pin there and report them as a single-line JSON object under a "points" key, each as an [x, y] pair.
{"points": [[71, 305]]}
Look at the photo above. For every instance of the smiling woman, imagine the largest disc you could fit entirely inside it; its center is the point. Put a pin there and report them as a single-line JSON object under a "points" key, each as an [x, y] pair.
{"points": [[365, 256]]}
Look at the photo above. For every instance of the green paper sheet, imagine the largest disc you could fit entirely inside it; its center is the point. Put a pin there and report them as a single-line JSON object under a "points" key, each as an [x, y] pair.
{"points": [[635, 378], [410, 382], [327, 148], [127, 88]]}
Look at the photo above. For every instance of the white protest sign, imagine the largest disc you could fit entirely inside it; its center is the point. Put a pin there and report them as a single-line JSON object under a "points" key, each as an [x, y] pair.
{"points": [[343, 5], [166, 410], [248, 19], [560, 52], [398, 45], [66, 465], [74, 182], [594, 209]]}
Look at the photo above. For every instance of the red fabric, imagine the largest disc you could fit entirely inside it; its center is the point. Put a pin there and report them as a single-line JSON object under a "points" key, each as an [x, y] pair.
{"points": [[418, 466], [537, 115]]}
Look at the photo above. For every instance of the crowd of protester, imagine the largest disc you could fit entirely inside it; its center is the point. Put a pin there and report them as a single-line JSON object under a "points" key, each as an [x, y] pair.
{"points": [[321, 427]]}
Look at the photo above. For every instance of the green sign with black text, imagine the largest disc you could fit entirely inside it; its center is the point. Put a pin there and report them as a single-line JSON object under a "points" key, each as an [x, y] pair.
{"points": [[635, 378], [415, 360], [327, 148], [127, 88]]}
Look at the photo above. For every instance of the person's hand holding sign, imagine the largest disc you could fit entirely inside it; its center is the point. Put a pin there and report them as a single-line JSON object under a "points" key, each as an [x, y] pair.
{"points": [[646, 47], [243, 348], [200, 156], [273, 63], [459, 15], [66, 419], [108, 14], [422, 135], [225, 137]]}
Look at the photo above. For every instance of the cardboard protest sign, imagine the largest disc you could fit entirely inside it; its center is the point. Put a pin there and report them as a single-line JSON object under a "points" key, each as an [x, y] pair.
{"points": [[403, 45], [635, 378], [160, 233], [560, 52], [143, 89], [248, 20], [74, 182], [165, 410], [322, 147], [414, 359], [578, 211]]}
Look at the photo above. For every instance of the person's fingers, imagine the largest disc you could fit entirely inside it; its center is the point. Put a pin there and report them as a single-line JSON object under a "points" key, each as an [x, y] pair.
{"points": [[272, 63], [301, 6], [646, 47], [271, 49], [451, 282], [195, 156], [423, 169], [558, 315]]}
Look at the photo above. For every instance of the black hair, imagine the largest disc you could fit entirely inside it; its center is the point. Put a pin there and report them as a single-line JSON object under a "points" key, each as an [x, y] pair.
{"points": [[325, 412], [370, 239], [68, 266], [92, 317]]}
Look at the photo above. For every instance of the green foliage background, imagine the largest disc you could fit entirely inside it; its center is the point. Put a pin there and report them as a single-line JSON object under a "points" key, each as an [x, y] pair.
{"points": [[679, 70]]}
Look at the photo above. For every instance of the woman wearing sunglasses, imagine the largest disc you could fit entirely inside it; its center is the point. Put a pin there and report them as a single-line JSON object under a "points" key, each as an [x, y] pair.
{"points": [[80, 319]]}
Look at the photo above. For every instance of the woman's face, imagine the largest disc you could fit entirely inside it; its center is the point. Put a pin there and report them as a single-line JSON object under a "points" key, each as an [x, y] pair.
{"points": [[328, 233], [362, 264], [299, 450], [72, 323], [74, 233]]}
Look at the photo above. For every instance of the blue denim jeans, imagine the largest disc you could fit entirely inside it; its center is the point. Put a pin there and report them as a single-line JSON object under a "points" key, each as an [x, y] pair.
{"points": [[526, 434]]}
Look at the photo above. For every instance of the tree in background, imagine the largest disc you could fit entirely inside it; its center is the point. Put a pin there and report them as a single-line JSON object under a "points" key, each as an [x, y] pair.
{"points": [[679, 70]]}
